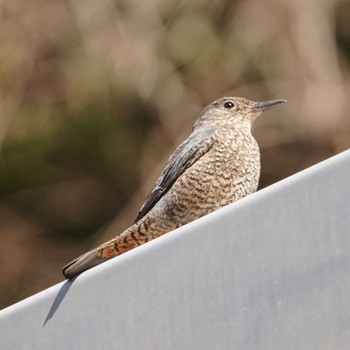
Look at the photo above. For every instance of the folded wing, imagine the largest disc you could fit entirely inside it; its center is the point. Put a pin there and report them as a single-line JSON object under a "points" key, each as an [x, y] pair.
{"points": [[184, 156]]}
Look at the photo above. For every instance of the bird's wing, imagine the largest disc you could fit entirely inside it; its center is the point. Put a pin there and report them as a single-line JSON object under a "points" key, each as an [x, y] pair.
{"points": [[184, 156]]}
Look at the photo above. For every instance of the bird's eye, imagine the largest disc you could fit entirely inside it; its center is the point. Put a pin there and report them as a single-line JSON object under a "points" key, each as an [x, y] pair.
{"points": [[229, 105]]}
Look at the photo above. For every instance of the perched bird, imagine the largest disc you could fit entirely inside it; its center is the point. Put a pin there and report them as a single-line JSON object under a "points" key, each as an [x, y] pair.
{"points": [[217, 164]]}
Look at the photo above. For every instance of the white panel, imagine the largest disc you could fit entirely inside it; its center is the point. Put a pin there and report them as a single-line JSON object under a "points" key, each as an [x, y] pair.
{"points": [[271, 271]]}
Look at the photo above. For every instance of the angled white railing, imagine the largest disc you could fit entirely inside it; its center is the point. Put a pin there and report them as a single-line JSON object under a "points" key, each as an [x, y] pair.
{"points": [[271, 271]]}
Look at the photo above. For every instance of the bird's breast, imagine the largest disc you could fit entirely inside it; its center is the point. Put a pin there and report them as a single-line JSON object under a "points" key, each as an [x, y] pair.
{"points": [[237, 166], [229, 171]]}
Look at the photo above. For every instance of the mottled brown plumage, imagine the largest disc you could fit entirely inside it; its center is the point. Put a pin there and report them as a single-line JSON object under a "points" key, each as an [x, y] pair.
{"points": [[218, 164]]}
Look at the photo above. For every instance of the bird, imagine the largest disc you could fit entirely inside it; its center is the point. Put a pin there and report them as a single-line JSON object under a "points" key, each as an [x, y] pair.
{"points": [[219, 163]]}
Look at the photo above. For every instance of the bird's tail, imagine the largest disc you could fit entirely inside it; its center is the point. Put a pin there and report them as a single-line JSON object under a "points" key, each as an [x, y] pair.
{"points": [[129, 239], [82, 263]]}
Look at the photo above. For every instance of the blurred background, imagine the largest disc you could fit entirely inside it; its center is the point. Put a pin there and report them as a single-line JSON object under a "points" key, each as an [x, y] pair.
{"points": [[95, 95]]}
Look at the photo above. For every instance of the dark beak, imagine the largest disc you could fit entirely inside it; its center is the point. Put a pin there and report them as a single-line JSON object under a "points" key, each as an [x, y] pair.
{"points": [[263, 106]]}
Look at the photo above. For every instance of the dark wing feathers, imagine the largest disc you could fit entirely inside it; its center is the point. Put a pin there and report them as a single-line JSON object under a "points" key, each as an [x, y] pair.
{"points": [[198, 143]]}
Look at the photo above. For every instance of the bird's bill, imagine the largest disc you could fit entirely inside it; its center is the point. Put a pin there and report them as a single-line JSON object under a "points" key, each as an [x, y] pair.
{"points": [[263, 106]]}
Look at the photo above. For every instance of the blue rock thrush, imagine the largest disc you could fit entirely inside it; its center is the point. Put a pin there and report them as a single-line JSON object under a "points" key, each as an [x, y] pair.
{"points": [[216, 165]]}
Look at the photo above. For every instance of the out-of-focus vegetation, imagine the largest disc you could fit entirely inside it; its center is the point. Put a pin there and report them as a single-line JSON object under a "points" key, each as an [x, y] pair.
{"points": [[96, 94]]}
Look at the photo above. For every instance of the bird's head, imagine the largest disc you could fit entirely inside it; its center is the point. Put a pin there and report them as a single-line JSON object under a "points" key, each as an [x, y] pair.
{"points": [[235, 111]]}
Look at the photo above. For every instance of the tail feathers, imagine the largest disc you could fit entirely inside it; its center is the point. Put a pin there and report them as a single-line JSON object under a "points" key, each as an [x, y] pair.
{"points": [[82, 263], [129, 239]]}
